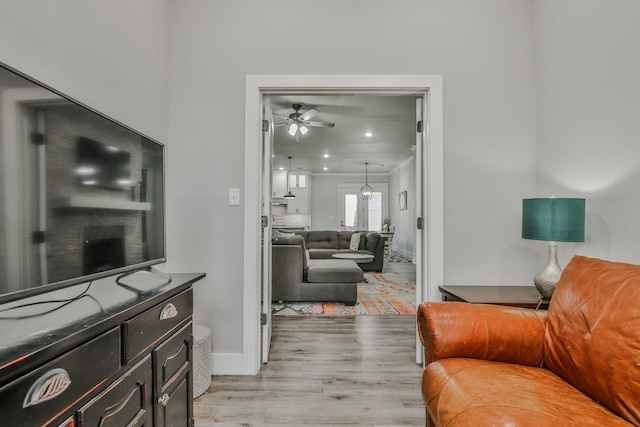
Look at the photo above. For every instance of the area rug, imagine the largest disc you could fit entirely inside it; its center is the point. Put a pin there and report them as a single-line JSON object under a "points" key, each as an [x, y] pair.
{"points": [[384, 294], [396, 257]]}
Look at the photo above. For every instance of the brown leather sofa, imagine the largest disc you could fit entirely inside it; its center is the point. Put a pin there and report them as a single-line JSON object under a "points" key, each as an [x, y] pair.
{"points": [[577, 364]]}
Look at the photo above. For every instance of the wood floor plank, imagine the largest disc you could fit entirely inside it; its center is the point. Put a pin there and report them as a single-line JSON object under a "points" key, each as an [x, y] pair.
{"points": [[325, 371]]}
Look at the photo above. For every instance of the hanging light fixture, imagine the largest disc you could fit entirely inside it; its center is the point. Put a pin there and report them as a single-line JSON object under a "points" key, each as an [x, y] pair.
{"points": [[289, 194], [366, 190]]}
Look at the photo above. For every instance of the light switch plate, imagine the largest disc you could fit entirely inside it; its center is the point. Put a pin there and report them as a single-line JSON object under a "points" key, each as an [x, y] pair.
{"points": [[234, 197]]}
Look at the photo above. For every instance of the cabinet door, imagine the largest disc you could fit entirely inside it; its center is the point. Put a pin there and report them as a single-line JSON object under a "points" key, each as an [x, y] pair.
{"points": [[279, 184], [126, 402], [173, 389], [299, 205], [298, 179]]}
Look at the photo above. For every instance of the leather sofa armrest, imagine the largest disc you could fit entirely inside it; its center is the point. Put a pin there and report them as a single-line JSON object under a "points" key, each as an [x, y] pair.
{"points": [[481, 331]]}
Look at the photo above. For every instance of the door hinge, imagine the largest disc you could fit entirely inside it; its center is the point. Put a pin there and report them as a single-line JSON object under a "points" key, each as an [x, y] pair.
{"points": [[419, 126], [265, 126], [420, 223], [264, 221], [263, 319], [37, 138], [38, 237]]}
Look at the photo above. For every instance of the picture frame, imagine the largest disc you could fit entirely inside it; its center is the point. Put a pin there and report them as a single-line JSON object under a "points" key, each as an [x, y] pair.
{"points": [[402, 200]]}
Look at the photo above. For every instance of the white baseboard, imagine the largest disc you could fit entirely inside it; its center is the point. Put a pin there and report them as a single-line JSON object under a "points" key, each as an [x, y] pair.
{"points": [[227, 364]]}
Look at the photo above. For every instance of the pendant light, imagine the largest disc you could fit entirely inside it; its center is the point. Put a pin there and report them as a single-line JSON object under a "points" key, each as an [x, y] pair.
{"points": [[366, 190], [289, 194]]}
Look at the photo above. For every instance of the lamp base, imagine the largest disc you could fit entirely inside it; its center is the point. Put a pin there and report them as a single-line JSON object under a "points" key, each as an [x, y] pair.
{"points": [[545, 281]]}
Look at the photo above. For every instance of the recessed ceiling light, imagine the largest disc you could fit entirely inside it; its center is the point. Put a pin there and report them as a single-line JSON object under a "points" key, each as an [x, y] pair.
{"points": [[281, 168], [368, 134], [326, 155], [325, 168]]}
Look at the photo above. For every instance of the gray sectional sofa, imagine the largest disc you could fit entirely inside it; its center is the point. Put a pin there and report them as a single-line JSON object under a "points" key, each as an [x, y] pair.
{"points": [[302, 273], [322, 244]]}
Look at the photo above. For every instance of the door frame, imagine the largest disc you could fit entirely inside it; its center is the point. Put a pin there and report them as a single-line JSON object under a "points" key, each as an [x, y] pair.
{"points": [[255, 87]]}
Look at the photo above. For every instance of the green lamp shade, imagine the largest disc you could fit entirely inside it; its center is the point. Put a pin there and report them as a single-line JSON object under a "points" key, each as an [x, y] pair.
{"points": [[553, 220]]}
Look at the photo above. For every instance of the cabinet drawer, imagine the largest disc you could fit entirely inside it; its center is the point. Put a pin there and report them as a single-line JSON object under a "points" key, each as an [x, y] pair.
{"points": [[145, 330], [45, 394], [127, 402]]}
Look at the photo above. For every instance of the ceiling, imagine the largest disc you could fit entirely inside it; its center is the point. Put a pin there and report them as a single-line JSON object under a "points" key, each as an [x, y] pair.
{"points": [[390, 119]]}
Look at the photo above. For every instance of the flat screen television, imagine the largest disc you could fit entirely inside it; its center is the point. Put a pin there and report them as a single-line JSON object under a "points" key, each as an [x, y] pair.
{"points": [[82, 195]]}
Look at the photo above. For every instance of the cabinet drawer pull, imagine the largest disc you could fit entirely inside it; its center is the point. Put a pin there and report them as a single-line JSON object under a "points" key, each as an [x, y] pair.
{"points": [[168, 312], [164, 399], [52, 384]]}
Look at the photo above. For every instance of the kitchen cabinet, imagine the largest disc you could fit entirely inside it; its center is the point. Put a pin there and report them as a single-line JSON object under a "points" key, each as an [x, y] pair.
{"points": [[300, 185], [299, 205], [279, 184], [298, 180]]}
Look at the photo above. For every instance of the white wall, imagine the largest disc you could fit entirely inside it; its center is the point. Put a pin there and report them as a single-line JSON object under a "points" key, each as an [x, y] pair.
{"points": [[325, 197], [588, 111], [110, 55], [483, 49], [403, 179]]}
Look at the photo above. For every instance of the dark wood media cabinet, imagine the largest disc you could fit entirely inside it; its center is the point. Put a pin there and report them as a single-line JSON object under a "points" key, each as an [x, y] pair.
{"points": [[116, 355]]}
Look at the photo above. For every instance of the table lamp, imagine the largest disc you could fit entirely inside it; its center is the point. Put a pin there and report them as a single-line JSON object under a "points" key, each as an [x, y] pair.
{"points": [[552, 220]]}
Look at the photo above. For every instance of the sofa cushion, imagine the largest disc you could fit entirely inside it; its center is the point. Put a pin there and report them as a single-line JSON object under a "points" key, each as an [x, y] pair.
{"points": [[344, 239], [333, 270], [372, 242], [508, 395], [304, 234], [285, 239], [592, 334], [323, 240]]}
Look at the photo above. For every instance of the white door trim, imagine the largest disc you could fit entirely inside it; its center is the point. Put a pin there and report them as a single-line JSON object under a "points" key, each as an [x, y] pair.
{"points": [[255, 86]]}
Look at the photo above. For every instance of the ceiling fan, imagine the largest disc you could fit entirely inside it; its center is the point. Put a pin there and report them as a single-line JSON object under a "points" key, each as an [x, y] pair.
{"points": [[299, 123]]}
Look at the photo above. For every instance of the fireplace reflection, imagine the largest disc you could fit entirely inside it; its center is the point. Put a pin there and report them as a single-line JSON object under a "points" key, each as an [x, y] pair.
{"points": [[103, 248]]}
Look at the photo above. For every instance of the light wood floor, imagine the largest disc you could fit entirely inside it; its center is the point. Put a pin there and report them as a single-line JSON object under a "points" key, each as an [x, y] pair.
{"points": [[338, 371]]}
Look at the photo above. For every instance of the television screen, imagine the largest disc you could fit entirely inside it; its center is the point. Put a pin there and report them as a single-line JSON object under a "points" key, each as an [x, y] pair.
{"points": [[82, 196]]}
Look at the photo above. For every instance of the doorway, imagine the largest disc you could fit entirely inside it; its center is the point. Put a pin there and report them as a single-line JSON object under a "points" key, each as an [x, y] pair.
{"points": [[430, 243]]}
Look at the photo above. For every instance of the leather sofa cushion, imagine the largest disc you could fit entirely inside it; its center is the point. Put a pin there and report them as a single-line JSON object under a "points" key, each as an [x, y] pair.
{"points": [[462, 391], [592, 333], [333, 271]]}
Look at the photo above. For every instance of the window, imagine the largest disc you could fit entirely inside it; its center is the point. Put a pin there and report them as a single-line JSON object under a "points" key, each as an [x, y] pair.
{"points": [[374, 210]]}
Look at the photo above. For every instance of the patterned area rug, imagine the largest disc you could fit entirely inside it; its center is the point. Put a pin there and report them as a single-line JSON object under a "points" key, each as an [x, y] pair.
{"points": [[396, 257], [384, 294]]}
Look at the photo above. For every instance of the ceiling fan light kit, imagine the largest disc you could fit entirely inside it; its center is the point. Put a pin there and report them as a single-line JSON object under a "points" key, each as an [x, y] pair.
{"points": [[299, 123]]}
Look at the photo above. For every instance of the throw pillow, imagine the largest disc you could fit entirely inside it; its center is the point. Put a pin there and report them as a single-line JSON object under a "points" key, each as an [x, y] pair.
{"points": [[363, 241], [355, 242]]}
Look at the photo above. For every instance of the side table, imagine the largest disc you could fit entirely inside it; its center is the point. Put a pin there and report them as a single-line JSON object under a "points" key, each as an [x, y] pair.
{"points": [[514, 296]]}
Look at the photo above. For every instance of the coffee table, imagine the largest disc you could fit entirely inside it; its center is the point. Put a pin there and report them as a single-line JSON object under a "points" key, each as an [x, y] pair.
{"points": [[359, 258]]}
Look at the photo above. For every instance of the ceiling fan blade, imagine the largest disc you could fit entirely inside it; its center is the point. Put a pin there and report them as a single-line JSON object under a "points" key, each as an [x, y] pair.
{"points": [[280, 124], [308, 114], [281, 116], [318, 124]]}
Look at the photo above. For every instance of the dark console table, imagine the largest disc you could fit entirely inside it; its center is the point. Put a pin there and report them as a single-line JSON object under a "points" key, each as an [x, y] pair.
{"points": [[515, 296], [114, 355]]}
